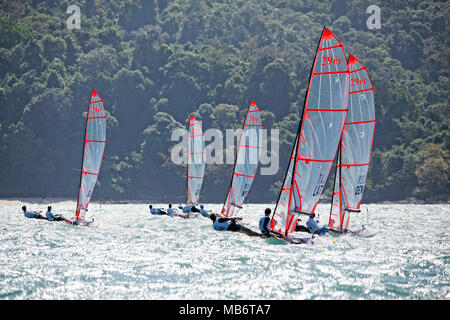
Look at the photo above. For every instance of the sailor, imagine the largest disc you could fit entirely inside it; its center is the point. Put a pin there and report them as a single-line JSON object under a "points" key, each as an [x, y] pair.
{"points": [[157, 211], [189, 208], [229, 224], [203, 212], [170, 210], [32, 214], [314, 227], [54, 217], [300, 227], [264, 223]]}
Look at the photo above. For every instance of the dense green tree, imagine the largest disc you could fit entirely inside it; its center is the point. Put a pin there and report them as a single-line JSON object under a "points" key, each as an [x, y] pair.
{"points": [[155, 62]]}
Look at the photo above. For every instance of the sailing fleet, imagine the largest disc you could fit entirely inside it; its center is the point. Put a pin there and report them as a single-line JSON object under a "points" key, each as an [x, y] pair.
{"points": [[337, 127]]}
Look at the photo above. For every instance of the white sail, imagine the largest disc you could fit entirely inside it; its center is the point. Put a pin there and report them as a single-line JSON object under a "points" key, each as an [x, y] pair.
{"points": [[355, 147], [94, 147], [196, 161], [247, 159], [319, 133]]}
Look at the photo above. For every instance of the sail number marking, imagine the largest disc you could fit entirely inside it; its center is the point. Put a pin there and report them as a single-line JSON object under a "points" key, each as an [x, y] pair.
{"points": [[319, 185], [360, 186]]}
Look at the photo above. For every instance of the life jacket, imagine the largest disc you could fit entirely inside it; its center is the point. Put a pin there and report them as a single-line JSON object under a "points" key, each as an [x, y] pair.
{"points": [[312, 225], [50, 216], [220, 226], [29, 214], [263, 224], [187, 209], [155, 211]]}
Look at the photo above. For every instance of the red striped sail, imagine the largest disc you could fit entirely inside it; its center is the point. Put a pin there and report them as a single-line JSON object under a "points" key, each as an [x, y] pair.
{"points": [[319, 133], [196, 161], [94, 147], [247, 159], [355, 148]]}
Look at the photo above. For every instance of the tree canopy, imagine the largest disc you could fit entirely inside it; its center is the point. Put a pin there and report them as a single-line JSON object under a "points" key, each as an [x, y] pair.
{"points": [[154, 62]]}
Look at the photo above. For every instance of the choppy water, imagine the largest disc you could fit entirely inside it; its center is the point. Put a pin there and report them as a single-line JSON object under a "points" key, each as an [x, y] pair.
{"points": [[133, 255]]}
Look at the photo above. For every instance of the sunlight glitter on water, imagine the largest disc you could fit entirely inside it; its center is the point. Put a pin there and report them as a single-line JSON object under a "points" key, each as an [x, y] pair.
{"points": [[130, 254]]}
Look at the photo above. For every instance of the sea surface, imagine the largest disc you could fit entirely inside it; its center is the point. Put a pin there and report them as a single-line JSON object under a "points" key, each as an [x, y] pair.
{"points": [[130, 254]]}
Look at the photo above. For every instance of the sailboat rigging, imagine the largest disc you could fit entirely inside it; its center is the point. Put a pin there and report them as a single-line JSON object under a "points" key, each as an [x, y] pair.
{"points": [[318, 136], [92, 156], [246, 162], [196, 161], [355, 148]]}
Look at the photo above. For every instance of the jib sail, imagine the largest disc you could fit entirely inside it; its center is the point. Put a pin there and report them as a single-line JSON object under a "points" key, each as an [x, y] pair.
{"points": [[355, 147]]}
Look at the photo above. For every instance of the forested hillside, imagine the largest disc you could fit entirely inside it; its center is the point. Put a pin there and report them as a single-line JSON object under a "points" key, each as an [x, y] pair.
{"points": [[154, 62]]}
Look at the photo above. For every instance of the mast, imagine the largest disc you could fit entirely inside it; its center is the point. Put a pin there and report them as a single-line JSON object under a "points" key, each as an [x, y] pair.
{"points": [[93, 150], [300, 127], [195, 166], [235, 160], [188, 159], [77, 212], [246, 171], [320, 128]]}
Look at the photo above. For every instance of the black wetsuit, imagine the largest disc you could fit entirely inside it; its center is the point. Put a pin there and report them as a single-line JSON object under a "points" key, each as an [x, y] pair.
{"points": [[302, 228]]}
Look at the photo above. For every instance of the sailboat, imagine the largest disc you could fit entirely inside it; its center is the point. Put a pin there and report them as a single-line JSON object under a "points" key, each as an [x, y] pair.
{"points": [[246, 162], [91, 160], [196, 161], [355, 149], [318, 136]]}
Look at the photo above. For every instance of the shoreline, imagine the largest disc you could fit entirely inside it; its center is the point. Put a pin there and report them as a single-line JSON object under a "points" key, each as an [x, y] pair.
{"points": [[46, 201]]}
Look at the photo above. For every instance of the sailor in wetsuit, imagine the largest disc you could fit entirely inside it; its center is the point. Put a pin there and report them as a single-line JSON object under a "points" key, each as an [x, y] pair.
{"points": [[300, 227], [264, 223], [171, 212], [314, 227], [55, 217], [157, 211], [189, 208], [32, 214], [203, 212], [229, 224]]}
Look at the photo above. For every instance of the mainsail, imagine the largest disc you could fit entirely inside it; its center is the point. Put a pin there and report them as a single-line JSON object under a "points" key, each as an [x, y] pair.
{"points": [[318, 136], [246, 164], [355, 148], [94, 146], [196, 161]]}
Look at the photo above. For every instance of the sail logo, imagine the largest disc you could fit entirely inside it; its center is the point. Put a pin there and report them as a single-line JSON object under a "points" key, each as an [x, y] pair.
{"points": [[331, 60], [356, 81], [96, 110], [253, 118]]}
